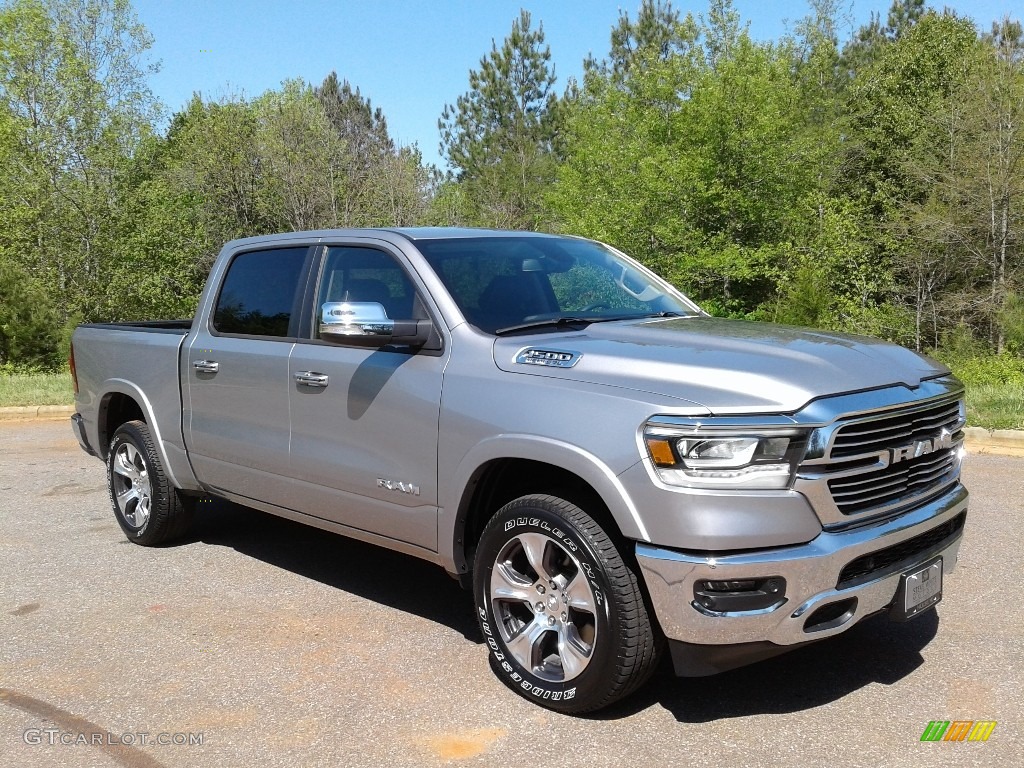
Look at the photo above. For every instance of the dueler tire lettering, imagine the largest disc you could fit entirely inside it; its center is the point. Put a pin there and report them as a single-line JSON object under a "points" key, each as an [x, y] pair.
{"points": [[560, 610], [147, 507]]}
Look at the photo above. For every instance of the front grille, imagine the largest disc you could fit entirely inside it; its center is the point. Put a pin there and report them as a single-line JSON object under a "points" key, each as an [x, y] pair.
{"points": [[905, 426], [873, 458], [908, 480], [902, 555]]}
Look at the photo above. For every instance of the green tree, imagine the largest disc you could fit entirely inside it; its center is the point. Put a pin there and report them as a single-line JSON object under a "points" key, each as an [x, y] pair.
{"points": [[73, 86], [695, 162], [658, 33], [500, 136], [967, 222], [887, 131], [215, 174], [380, 183], [280, 162], [302, 158], [31, 328]]}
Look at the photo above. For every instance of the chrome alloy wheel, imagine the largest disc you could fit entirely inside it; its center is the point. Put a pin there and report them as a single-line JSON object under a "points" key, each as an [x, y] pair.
{"points": [[132, 488], [544, 607]]}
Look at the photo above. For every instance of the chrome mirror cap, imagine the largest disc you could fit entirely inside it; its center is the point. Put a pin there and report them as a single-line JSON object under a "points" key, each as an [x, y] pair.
{"points": [[365, 323], [354, 318]]}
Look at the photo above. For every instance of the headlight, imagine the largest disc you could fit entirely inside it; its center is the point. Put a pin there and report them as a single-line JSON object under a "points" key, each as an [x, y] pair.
{"points": [[704, 456]]}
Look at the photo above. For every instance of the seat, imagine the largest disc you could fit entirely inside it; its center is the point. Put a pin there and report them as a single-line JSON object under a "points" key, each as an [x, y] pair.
{"points": [[507, 300], [367, 290]]}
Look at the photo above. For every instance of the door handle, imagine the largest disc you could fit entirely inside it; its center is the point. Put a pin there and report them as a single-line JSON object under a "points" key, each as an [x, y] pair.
{"points": [[311, 379], [206, 366]]}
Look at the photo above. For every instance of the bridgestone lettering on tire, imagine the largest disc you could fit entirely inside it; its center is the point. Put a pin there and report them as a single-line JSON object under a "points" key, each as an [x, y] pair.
{"points": [[147, 507], [560, 610]]}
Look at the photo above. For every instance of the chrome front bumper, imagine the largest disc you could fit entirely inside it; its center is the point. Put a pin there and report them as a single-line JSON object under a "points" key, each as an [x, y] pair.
{"points": [[812, 572]]}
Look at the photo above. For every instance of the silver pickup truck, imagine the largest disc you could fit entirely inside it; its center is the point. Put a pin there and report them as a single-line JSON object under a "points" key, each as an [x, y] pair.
{"points": [[612, 472]]}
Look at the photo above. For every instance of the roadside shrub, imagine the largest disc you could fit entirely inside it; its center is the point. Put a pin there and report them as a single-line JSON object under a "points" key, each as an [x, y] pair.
{"points": [[32, 335], [989, 370]]}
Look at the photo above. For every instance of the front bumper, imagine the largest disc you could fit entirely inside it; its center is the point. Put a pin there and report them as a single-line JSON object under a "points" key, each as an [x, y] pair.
{"points": [[812, 573]]}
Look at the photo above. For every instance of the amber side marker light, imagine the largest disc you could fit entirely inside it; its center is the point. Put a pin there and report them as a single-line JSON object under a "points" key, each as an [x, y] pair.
{"points": [[661, 452]]}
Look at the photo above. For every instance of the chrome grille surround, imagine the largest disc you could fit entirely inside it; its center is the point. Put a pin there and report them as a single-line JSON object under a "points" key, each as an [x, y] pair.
{"points": [[882, 460]]}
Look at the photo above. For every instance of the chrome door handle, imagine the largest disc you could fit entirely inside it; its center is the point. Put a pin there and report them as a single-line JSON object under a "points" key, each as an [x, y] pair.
{"points": [[311, 379], [206, 366]]}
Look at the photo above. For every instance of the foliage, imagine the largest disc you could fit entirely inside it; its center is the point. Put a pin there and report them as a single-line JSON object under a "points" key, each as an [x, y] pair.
{"points": [[499, 137], [989, 370], [74, 106], [996, 406], [692, 161], [31, 329], [25, 385], [376, 182], [872, 185], [1011, 321], [294, 158]]}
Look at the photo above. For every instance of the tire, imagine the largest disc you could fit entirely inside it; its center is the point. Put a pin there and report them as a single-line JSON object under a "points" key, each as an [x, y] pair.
{"points": [[148, 508], [560, 610]]}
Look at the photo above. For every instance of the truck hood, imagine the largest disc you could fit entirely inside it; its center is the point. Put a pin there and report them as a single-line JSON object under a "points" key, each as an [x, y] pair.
{"points": [[726, 366]]}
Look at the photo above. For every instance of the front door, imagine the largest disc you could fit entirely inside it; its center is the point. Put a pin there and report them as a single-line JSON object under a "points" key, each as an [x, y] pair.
{"points": [[364, 421]]}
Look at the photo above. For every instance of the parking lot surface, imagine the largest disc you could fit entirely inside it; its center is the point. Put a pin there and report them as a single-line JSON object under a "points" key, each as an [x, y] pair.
{"points": [[262, 642]]}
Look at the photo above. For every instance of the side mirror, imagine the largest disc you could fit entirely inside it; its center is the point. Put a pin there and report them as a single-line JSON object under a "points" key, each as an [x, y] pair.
{"points": [[366, 324]]}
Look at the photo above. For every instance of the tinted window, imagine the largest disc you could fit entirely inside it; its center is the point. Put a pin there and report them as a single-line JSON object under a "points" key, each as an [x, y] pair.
{"points": [[259, 292]]}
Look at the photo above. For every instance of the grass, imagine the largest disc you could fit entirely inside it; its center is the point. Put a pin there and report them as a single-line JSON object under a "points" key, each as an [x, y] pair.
{"points": [[996, 406], [993, 406], [36, 389]]}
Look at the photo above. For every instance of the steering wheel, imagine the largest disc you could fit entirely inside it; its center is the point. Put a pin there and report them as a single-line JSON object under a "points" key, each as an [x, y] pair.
{"points": [[595, 305]]}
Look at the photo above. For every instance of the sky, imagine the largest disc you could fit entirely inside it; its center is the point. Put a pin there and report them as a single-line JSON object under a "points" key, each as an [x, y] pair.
{"points": [[411, 57]]}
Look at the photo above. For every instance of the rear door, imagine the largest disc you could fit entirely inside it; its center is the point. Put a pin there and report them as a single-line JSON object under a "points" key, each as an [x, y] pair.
{"points": [[365, 421], [237, 372]]}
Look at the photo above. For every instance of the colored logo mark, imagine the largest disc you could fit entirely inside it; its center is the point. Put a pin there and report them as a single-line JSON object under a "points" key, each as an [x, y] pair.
{"points": [[958, 730]]}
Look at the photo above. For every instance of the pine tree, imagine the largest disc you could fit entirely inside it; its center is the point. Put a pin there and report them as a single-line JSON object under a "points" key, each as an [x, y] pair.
{"points": [[500, 136]]}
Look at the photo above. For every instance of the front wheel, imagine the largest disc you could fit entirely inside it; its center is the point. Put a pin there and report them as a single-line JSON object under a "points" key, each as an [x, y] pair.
{"points": [[559, 608], [148, 508]]}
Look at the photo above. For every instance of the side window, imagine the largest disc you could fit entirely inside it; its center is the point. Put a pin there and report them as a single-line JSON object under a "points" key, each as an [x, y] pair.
{"points": [[259, 292], [365, 274]]}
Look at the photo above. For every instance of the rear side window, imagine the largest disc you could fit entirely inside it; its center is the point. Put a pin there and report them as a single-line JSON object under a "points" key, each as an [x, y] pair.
{"points": [[259, 292]]}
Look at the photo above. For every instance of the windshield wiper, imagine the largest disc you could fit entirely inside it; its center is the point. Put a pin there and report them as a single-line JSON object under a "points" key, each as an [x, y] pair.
{"points": [[566, 321], [668, 314]]}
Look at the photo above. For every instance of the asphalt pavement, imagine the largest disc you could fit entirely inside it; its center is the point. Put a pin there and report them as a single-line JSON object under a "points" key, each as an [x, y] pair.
{"points": [[262, 642]]}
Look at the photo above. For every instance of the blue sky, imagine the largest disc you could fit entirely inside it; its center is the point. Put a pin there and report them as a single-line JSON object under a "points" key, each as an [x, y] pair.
{"points": [[410, 57]]}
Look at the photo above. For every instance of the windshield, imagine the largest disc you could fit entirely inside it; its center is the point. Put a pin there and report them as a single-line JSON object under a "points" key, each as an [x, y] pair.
{"points": [[503, 282]]}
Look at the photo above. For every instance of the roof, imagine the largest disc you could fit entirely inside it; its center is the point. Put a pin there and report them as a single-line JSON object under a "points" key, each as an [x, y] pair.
{"points": [[447, 233], [412, 234]]}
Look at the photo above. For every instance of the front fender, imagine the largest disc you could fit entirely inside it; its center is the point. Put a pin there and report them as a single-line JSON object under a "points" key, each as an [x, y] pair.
{"points": [[588, 467]]}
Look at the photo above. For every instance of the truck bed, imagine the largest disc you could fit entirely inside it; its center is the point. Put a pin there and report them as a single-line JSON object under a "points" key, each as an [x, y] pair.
{"points": [[180, 327], [140, 362]]}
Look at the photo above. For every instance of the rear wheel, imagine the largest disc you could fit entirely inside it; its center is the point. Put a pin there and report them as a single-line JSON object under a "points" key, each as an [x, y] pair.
{"points": [[559, 608], [147, 507]]}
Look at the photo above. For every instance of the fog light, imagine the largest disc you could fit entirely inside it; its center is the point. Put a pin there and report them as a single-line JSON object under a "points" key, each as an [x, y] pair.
{"points": [[730, 586], [737, 595]]}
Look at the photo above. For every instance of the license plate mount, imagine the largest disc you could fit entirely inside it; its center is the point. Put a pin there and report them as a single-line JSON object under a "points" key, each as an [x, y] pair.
{"points": [[919, 590]]}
